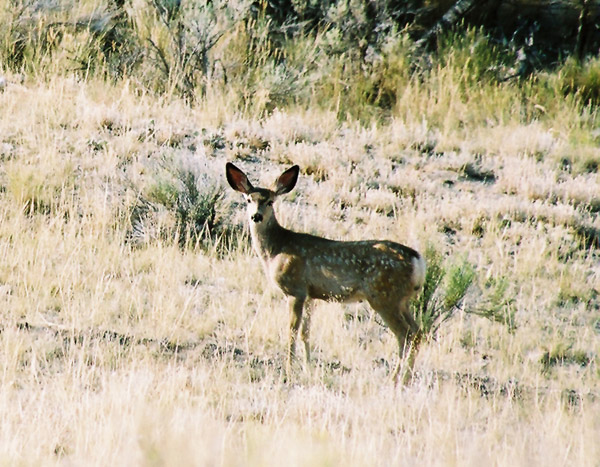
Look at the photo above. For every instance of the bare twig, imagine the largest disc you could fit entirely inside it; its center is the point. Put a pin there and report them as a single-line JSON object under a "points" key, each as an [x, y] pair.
{"points": [[452, 16]]}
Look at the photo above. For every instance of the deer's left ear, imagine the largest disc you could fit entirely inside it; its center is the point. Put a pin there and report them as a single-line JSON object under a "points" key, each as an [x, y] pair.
{"points": [[287, 180]]}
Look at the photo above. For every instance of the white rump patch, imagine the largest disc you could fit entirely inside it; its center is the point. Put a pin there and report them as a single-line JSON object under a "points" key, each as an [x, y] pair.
{"points": [[419, 269]]}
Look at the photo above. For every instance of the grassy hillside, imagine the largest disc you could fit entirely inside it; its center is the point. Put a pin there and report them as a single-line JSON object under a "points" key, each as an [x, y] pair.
{"points": [[137, 325]]}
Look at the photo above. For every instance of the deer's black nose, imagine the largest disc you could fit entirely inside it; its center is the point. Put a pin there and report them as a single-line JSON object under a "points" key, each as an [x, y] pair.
{"points": [[257, 217]]}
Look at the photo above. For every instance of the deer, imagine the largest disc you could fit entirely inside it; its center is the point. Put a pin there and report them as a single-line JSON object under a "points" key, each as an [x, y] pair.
{"points": [[385, 274]]}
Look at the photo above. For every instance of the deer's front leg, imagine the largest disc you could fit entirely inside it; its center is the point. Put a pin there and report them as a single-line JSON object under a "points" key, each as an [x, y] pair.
{"points": [[305, 332], [296, 306]]}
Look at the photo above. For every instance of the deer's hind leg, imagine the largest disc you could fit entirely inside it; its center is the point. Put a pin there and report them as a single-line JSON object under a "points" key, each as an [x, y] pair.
{"points": [[398, 318]]}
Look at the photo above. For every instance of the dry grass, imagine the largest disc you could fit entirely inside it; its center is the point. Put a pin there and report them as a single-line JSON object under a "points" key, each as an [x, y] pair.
{"points": [[121, 352]]}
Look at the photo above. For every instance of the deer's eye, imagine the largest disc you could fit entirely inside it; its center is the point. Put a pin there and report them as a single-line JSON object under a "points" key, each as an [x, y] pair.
{"points": [[270, 202]]}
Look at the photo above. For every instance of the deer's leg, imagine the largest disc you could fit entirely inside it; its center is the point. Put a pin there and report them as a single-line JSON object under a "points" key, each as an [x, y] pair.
{"points": [[296, 306], [305, 332], [408, 348], [406, 330], [409, 340]]}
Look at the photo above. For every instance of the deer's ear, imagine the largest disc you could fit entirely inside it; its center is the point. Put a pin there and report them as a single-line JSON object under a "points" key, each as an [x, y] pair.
{"points": [[287, 180], [237, 179]]}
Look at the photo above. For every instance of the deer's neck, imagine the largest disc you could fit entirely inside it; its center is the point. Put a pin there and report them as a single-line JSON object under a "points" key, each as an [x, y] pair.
{"points": [[267, 237]]}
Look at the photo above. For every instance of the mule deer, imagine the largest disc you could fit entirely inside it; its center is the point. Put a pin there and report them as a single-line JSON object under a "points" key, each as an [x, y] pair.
{"points": [[303, 266]]}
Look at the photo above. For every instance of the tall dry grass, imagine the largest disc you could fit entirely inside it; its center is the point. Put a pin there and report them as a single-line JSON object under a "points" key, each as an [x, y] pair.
{"points": [[137, 326]]}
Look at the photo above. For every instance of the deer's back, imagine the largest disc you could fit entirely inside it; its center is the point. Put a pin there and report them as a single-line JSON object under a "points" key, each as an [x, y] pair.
{"points": [[315, 267]]}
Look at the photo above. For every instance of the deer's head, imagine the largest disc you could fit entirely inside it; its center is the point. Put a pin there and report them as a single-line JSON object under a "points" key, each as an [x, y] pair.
{"points": [[260, 200]]}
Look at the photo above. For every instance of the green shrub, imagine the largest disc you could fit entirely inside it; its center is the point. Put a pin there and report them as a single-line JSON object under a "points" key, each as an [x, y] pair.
{"points": [[426, 308], [196, 211], [182, 205], [497, 303], [562, 354], [443, 291], [581, 79]]}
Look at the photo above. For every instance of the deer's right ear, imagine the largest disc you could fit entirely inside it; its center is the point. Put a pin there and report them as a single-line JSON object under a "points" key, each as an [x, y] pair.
{"points": [[237, 179]]}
